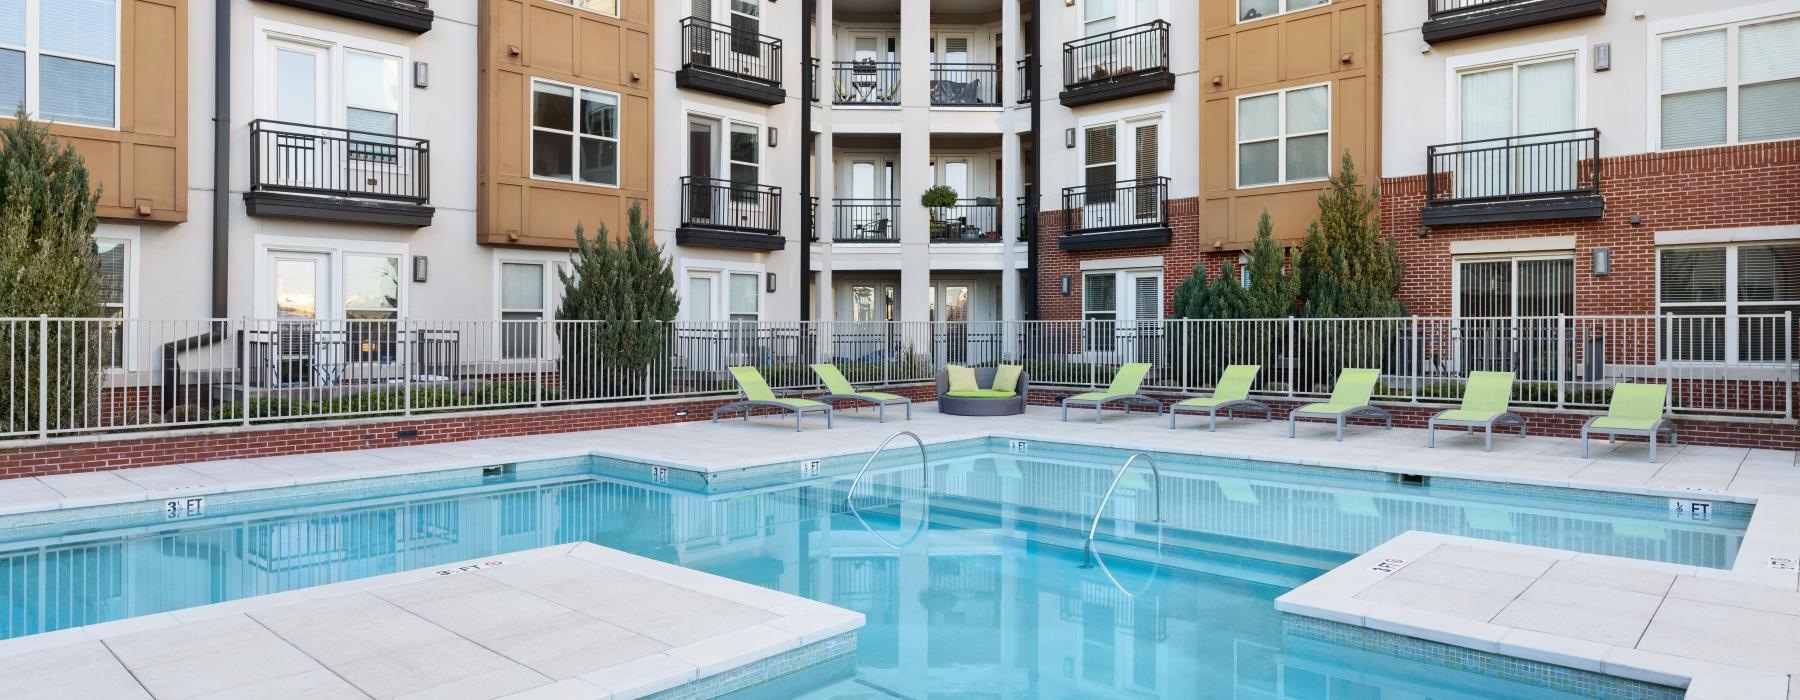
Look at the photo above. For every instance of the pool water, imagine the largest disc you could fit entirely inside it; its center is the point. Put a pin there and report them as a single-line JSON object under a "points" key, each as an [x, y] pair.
{"points": [[975, 587]]}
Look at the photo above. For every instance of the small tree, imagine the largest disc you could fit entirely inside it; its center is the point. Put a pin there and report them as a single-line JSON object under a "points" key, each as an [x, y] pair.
{"points": [[629, 287], [48, 266], [1273, 292], [1347, 269]]}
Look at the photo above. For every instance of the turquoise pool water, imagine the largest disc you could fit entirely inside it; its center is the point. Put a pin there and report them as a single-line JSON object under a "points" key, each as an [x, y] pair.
{"points": [[974, 588]]}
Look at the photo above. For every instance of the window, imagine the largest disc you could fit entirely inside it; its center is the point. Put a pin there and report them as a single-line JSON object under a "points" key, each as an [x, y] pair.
{"points": [[372, 104], [521, 299], [1521, 99], [1732, 84], [746, 297], [1126, 322], [1507, 309], [574, 134], [371, 305], [745, 158], [1284, 136], [1727, 301], [1100, 166], [1251, 10], [609, 8], [73, 45], [113, 269]]}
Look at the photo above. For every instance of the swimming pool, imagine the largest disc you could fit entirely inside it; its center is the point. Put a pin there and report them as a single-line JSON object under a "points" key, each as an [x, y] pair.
{"points": [[974, 587]]}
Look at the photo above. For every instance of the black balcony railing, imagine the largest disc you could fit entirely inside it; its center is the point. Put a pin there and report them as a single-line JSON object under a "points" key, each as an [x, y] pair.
{"points": [[1456, 19], [1117, 55], [812, 80], [1028, 218], [968, 221], [865, 83], [965, 84], [735, 50], [1128, 204], [866, 220], [812, 218], [1025, 86], [730, 206], [321, 160], [1536, 166]]}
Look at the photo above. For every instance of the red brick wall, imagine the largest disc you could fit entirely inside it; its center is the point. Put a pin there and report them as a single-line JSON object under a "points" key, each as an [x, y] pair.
{"points": [[1179, 257], [68, 455], [1730, 186]]}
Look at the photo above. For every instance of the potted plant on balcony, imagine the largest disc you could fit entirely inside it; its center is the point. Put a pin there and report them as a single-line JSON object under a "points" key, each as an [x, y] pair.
{"points": [[935, 198]]}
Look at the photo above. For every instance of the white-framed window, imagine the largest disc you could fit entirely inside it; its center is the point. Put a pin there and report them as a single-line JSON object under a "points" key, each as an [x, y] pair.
{"points": [[574, 133], [1735, 83], [371, 304], [115, 271], [1121, 163], [1123, 308], [523, 302], [609, 8], [1284, 136], [1252, 10], [744, 302], [743, 156], [1735, 294], [72, 45]]}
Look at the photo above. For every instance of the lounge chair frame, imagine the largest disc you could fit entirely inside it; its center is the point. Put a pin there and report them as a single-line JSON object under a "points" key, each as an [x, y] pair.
{"points": [[1504, 418], [748, 405], [1100, 404], [880, 406], [1341, 417], [1229, 407], [1660, 426]]}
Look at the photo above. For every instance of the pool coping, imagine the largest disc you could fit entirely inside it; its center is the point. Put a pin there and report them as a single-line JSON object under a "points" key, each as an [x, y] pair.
{"points": [[798, 630], [1332, 597]]}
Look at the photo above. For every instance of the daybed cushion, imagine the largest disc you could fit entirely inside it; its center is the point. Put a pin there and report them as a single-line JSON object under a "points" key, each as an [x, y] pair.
{"points": [[1006, 378], [962, 379], [980, 394]]}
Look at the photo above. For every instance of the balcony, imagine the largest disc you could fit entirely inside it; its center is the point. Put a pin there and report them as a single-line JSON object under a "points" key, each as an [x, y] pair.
{"points": [[866, 221], [965, 85], [865, 83], [1517, 178], [1457, 19], [1119, 63], [730, 61], [968, 221], [331, 174], [404, 15], [1025, 82], [724, 214], [1116, 215]]}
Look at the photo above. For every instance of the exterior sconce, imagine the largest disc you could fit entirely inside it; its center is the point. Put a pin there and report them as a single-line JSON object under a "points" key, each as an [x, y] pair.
{"points": [[771, 282], [421, 266], [1065, 285], [1602, 57], [774, 136], [1069, 137], [1636, 220], [1602, 262], [421, 74], [1424, 231]]}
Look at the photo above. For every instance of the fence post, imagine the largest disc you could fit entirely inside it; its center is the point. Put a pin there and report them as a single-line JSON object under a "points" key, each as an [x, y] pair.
{"points": [[648, 372], [244, 363], [408, 345], [537, 362], [43, 376], [1418, 361], [1292, 362], [1787, 319], [1562, 347]]}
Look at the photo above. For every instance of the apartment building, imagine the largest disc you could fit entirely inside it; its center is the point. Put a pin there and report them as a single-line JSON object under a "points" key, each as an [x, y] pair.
{"points": [[1555, 157]]}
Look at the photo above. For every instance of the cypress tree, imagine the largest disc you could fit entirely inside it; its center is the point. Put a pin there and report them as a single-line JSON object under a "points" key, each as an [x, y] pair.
{"points": [[629, 286], [1225, 295], [1273, 292], [48, 266], [1190, 295], [1347, 269]]}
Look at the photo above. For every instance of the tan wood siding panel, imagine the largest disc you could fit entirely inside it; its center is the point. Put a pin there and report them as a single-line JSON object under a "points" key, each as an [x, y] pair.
{"points": [[522, 39]]}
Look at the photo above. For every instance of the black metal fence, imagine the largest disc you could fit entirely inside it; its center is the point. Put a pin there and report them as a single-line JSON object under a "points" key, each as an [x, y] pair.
{"points": [[866, 220], [1126, 204], [969, 220], [723, 204], [737, 50], [965, 84], [1117, 54], [1439, 8], [1534, 166], [308, 159], [865, 83]]}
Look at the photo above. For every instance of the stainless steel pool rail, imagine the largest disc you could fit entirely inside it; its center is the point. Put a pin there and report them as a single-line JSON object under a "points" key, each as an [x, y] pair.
{"points": [[1094, 525], [925, 476]]}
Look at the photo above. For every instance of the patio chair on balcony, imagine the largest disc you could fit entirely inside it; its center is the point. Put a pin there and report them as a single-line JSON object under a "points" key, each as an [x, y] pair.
{"points": [[1636, 409], [1485, 404], [1124, 389], [757, 394], [1349, 399], [842, 390], [1231, 395], [873, 230]]}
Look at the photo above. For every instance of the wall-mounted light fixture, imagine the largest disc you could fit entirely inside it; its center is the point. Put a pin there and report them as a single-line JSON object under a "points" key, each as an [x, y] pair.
{"points": [[1424, 231], [421, 74], [1065, 285], [421, 266], [774, 136], [771, 282], [1636, 220], [1602, 57], [1069, 137], [1602, 262]]}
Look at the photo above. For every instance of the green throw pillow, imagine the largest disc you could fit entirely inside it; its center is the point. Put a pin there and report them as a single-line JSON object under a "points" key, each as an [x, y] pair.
{"points": [[962, 378], [1006, 378]]}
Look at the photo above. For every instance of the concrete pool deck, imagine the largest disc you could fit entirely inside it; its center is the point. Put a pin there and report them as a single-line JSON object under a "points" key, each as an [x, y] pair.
{"points": [[567, 622], [1769, 479]]}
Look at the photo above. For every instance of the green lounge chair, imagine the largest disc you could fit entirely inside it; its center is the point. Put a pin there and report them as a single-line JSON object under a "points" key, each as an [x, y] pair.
{"points": [[1231, 394], [757, 394], [1124, 389], [1636, 409], [841, 390], [1349, 399], [1484, 405]]}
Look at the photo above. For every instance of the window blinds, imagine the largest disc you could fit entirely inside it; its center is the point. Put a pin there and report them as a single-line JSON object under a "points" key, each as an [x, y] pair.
{"points": [[1769, 70], [1693, 275], [1693, 86]]}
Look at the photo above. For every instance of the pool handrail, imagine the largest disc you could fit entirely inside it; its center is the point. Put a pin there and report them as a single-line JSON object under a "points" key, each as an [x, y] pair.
{"points": [[1155, 487], [924, 472]]}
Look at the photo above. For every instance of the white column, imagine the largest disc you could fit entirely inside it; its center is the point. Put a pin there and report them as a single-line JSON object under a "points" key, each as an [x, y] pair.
{"points": [[915, 159], [825, 177], [1012, 160]]}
